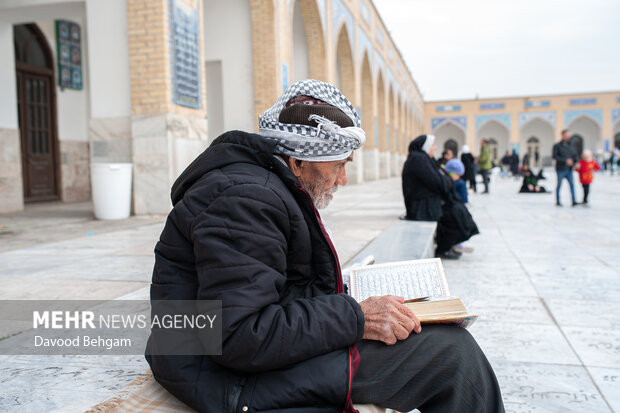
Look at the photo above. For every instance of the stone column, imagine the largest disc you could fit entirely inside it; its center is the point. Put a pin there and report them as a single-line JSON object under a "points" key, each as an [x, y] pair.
{"points": [[11, 185], [168, 121]]}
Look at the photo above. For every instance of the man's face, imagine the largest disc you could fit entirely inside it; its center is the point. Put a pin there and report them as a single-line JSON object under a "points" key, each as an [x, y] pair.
{"points": [[565, 136], [321, 179]]}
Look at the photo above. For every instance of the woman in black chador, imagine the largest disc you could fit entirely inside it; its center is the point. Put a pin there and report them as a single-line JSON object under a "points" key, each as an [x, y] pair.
{"points": [[429, 196]]}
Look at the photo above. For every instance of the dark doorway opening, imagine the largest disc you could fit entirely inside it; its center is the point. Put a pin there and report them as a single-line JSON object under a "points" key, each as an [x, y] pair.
{"points": [[452, 145], [576, 142], [36, 108]]}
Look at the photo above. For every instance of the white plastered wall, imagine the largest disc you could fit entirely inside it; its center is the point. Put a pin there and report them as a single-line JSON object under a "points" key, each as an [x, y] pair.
{"points": [[108, 58], [71, 105], [231, 45], [8, 99], [301, 65]]}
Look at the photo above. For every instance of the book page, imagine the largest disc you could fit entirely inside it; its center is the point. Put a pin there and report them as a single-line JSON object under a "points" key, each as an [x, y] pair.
{"points": [[409, 279]]}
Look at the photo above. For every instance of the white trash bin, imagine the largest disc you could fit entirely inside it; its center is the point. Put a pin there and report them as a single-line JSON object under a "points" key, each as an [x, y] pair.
{"points": [[111, 186]]}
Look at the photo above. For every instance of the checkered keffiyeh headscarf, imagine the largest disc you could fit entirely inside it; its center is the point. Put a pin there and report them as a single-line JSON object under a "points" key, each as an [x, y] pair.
{"points": [[327, 141]]}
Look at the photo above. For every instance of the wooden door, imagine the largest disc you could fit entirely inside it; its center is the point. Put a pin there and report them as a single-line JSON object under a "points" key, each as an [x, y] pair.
{"points": [[37, 113], [38, 143]]}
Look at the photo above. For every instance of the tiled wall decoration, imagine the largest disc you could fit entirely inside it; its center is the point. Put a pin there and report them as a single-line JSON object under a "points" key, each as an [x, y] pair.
{"points": [[438, 121], [594, 114], [525, 117], [583, 101], [503, 118], [537, 104]]}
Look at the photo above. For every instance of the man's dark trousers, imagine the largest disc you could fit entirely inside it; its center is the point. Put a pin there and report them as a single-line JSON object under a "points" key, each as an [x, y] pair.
{"points": [[440, 370], [485, 179], [562, 174]]}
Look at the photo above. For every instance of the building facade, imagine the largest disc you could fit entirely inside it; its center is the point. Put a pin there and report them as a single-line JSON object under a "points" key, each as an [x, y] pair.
{"points": [[153, 82], [528, 125]]}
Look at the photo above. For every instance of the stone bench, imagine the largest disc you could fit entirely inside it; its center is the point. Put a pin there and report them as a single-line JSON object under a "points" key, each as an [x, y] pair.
{"points": [[403, 240]]}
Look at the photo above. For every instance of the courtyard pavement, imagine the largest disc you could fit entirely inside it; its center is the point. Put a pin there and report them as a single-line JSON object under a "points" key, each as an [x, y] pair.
{"points": [[545, 281]]}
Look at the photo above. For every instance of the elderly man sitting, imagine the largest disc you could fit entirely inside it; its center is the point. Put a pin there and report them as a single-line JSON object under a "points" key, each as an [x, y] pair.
{"points": [[245, 230]]}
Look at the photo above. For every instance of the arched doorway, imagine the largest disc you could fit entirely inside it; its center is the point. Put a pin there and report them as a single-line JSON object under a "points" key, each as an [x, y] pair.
{"points": [[370, 159], [588, 132], [447, 132], [498, 133], [345, 75], [381, 112], [576, 142], [543, 131], [532, 150], [617, 140], [367, 105], [36, 110], [382, 128]]}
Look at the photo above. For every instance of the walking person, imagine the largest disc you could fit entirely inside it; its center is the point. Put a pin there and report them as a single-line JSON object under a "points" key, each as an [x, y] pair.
{"points": [[485, 163], [586, 166], [565, 158], [470, 168]]}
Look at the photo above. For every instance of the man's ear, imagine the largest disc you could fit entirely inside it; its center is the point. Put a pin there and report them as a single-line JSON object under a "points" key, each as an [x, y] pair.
{"points": [[295, 165]]}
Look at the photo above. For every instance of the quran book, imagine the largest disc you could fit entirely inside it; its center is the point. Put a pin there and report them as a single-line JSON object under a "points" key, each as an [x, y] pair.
{"points": [[423, 280], [442, 310]]}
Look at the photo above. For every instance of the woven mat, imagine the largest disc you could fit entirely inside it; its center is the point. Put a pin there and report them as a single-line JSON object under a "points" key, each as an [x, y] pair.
{"points": [[144, 395]]}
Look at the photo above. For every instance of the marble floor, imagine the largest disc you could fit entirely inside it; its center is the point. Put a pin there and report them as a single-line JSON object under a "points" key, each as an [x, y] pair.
{"points": [[545, 281]]}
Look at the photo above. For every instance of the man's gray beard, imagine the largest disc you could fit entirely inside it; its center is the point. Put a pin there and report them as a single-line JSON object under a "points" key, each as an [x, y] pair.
{"points": [[322, 200], [319, 196]]}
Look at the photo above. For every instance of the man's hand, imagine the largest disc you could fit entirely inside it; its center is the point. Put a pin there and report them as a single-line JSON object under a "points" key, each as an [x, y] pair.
{"points": [[387, 319], [569, 162]]}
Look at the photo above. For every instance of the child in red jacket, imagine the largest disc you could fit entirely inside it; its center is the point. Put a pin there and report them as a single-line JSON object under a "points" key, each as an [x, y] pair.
{"points": [[586, 166]]}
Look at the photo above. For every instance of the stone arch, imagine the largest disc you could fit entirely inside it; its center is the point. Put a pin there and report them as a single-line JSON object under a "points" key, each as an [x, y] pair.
{"points": [[381, 116], [382, 125], [264, 61], [406, 127], [368, 123], [391, 125], [542, 130], [402, 124], [345, 73], [492, 129], [370, 154], [588, 129], [229, 66], [309, 58], [448, 131]]}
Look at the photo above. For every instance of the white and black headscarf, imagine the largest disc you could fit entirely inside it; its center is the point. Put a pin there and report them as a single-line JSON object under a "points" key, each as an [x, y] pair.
{"points": [[324, 142]]}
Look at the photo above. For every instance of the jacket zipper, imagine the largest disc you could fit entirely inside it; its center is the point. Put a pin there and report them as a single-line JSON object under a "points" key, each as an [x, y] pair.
{"points": [[234, 397], [339, 286]]}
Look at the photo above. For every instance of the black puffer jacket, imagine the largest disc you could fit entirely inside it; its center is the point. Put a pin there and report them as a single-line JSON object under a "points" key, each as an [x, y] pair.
{"points": [[243, 231], [424, 187]]}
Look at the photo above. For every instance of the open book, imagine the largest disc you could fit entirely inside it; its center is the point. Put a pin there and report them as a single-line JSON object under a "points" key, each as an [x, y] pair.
{"points": [[421, 282]]}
